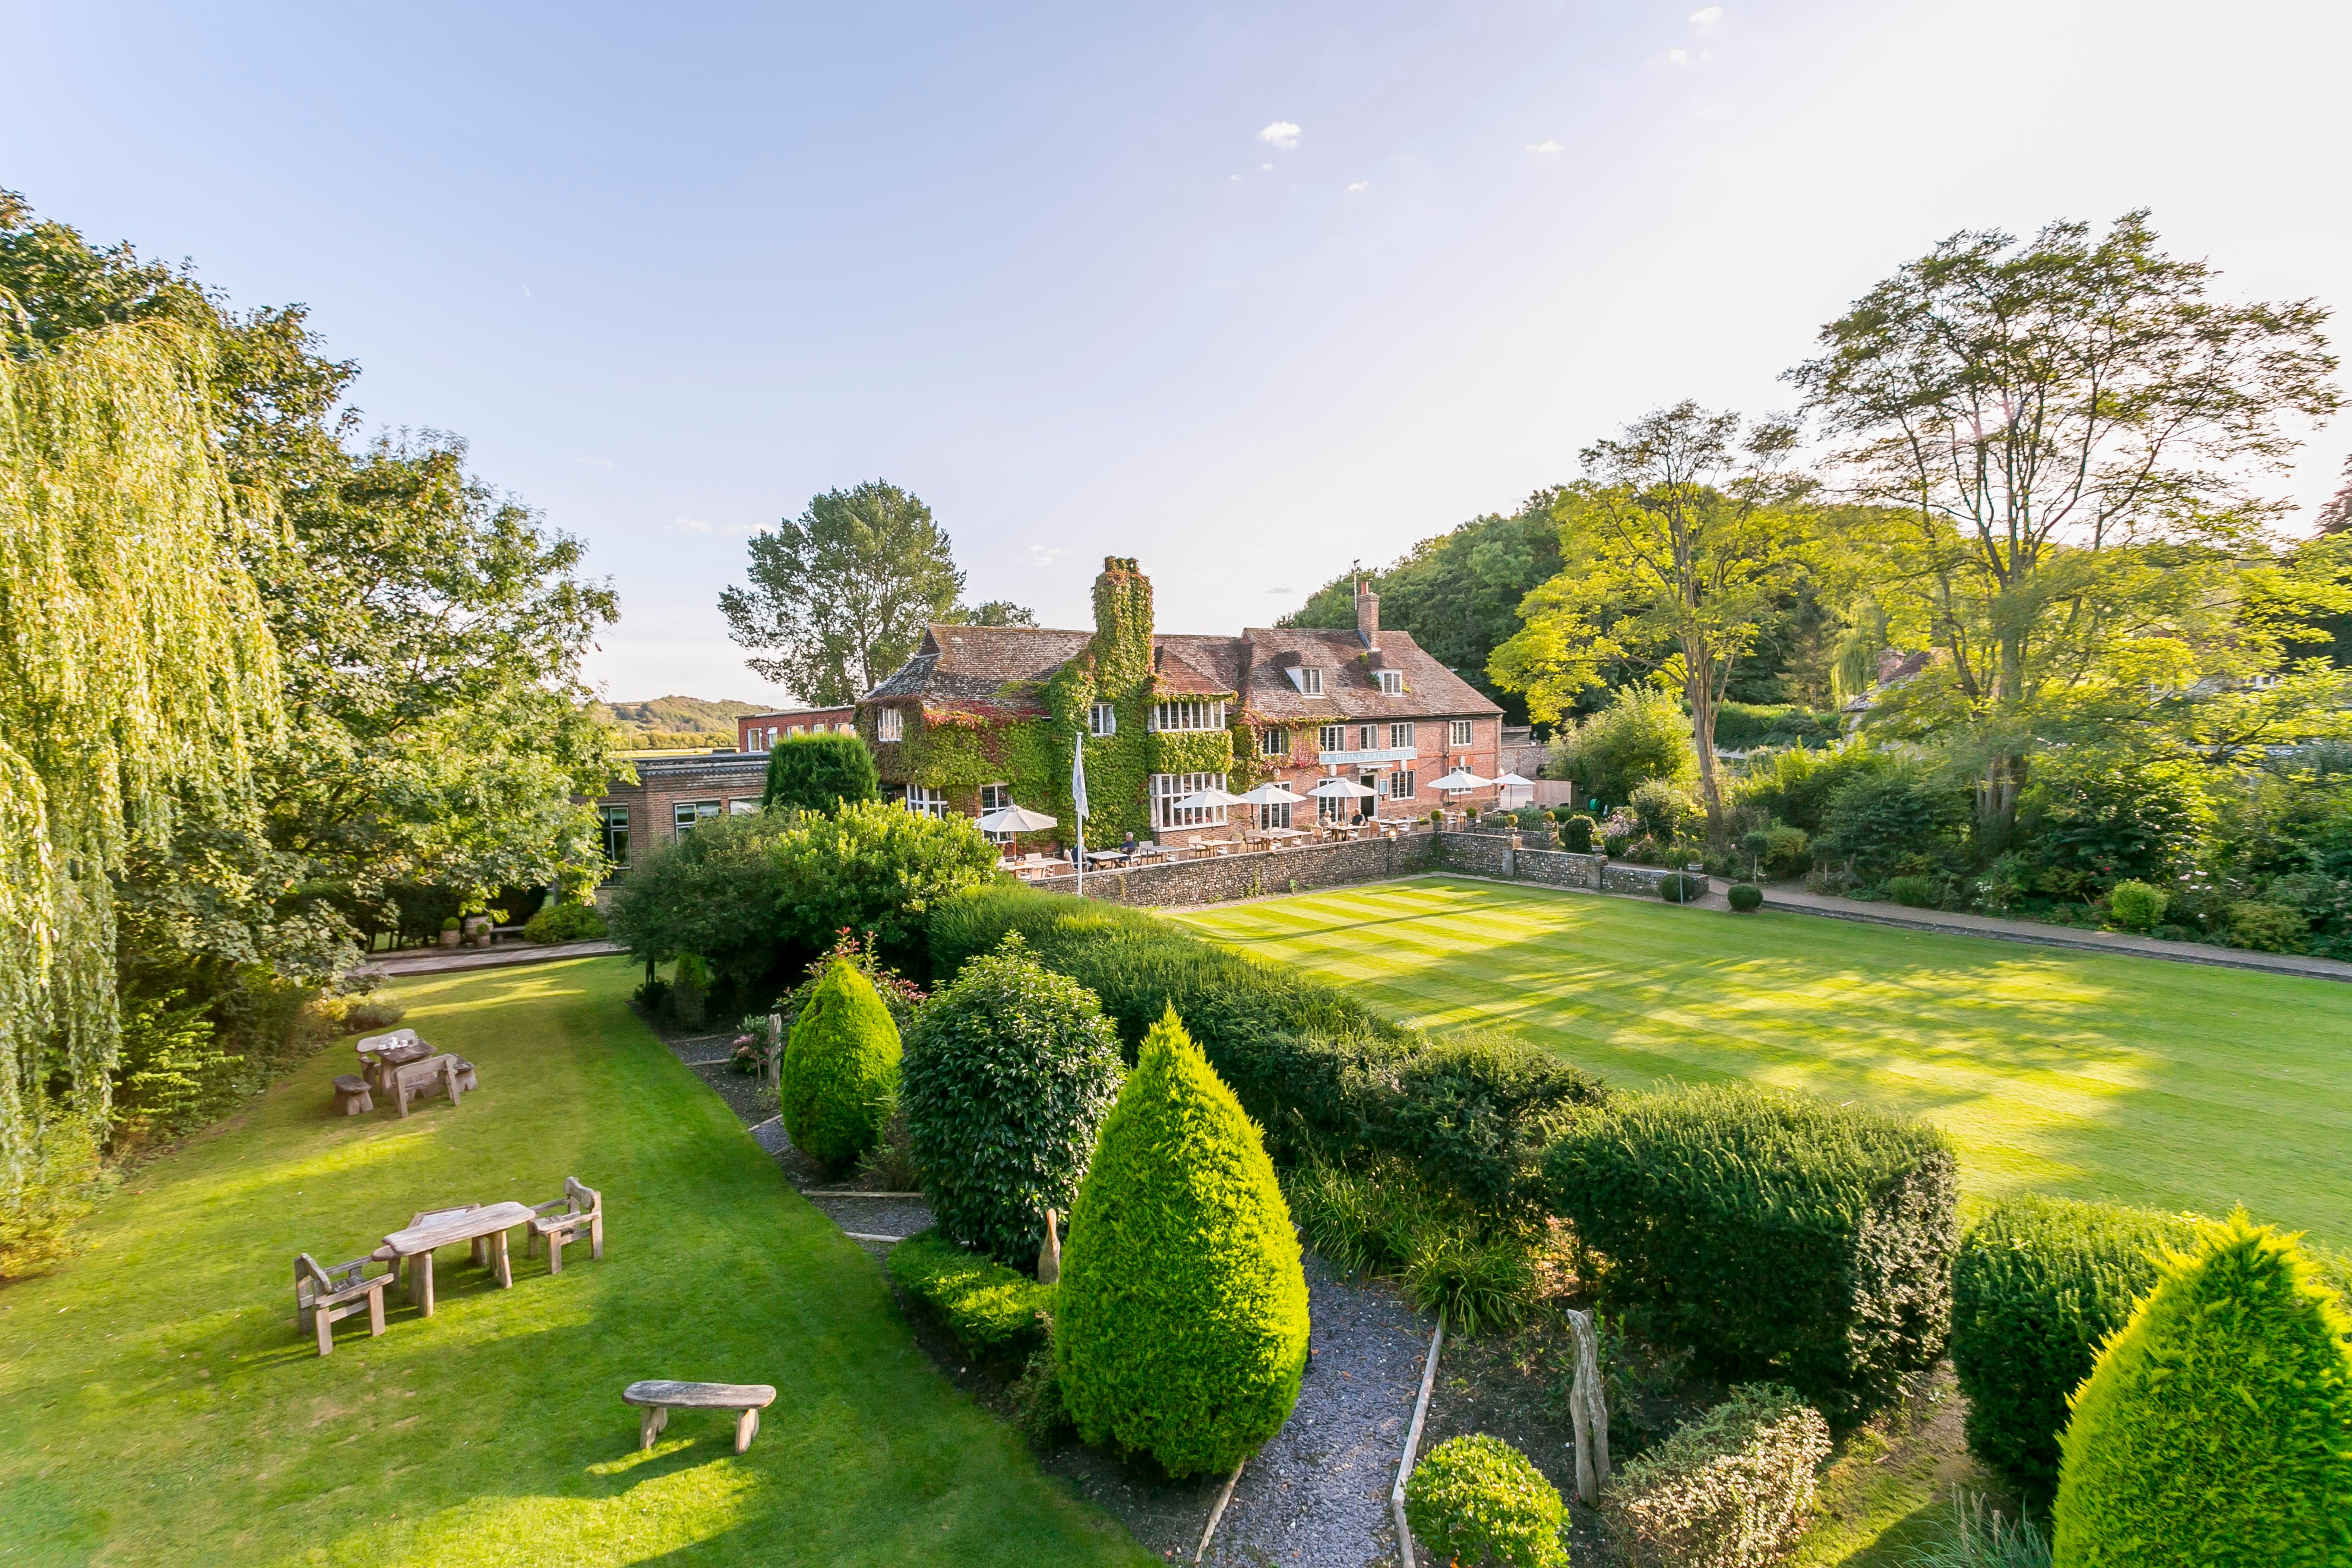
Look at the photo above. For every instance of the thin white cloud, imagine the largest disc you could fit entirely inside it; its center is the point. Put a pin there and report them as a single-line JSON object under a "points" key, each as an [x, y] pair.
{"points": [[1282, 133], [687, 525], [740, 530], [1360, 187], [1706, 16], [1548, 146], [1678, 57], [1046, 554], [1234, 178], [1265, 168]]}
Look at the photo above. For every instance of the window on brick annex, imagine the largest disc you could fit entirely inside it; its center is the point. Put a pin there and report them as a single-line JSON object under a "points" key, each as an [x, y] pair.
{"points": [[924, 801], [1461, 736], [1392, 683], [1334, 738], [1177, 716], [1102, 718], [1368, 736], [1401, 785], [995, 797], [1275, 816], [1401, 736], [1274, 743], [889, 724], [616, 835], [689, 815], [742, 808], [1167, 789]]}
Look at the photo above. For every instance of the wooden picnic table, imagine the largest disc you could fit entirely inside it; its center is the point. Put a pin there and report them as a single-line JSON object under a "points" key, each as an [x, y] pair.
{"points": [[491, 1221], [380, 1054]]}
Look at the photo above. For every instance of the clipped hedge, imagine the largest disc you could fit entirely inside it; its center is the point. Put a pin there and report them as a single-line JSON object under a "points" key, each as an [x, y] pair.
{"points": [[1779, 1237], [2217, 1427], [1746, 897], [1733, 1488], [817, 772], [564, 921], [995, 1313], [2038, 1285], [1477, 1497], [1319, 1071], [1181, 1331], [839, 1068], [1008, 1076]]}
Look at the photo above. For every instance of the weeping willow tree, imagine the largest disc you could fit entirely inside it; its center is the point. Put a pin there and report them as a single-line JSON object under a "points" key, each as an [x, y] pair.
{"points": [[136, 672]]}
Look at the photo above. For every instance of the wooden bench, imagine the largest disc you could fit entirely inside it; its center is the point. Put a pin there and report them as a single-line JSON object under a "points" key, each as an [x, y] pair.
{"points": [[323, 1295], [450, 1075], [351, 1094], [562, 1219], [660, 1398]]}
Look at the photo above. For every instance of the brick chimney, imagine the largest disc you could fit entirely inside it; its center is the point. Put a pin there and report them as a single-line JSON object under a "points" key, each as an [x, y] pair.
{"points": [[1368, 614]]}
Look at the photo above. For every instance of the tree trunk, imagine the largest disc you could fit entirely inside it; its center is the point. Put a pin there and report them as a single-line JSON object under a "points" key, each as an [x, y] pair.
{"points": [[1698, 690]]}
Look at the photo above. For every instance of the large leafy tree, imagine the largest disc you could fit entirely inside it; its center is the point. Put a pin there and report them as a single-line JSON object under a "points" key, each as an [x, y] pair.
{"points": [[1676, 553], [2063, 437], [839, 598]]}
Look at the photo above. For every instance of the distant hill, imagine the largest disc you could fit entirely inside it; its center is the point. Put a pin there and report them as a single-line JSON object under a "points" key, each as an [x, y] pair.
{"points": [[676, 717]]}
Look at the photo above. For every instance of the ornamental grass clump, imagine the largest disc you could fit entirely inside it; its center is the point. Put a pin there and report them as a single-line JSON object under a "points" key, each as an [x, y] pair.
{"points": [[1733, 1488], [2217, 1427], [2038, 1287], [1009, 1075], [1182, 1329], [839, 1068], [1477, 1500]]}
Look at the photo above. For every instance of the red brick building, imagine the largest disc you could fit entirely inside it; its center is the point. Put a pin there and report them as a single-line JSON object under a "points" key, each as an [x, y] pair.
{"points": [[759, 732], [674, 795]]}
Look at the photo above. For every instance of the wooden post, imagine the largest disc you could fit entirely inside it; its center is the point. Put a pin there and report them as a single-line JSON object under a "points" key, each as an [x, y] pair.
{"points": [[1588, 1407], [1049, 1255]]}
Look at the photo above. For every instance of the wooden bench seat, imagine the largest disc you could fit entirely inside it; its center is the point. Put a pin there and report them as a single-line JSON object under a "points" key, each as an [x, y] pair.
{"points": [[323, 1295], [451, 1075], [353, 1095], [660, 1396], [559, 1220]]}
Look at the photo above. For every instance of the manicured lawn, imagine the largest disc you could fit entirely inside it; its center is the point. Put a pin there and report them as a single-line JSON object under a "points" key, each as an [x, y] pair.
{"points": [[157, 1406], [2173, 1085]]}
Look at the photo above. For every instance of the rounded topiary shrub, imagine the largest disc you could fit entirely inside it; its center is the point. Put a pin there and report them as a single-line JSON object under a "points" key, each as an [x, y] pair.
{"points": [[1182, 1330], [1681, 888], [1576, 831], [2135, 906], [1746, 897], [1009, 1074], [1477, 1497], [2217, 1427], [839, 1068]]}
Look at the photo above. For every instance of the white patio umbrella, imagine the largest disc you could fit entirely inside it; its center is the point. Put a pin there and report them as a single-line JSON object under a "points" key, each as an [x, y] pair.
{"points": [[1340, 789], [1207, 800], [1512, 780], [1271, 794], [1461, 779], [1015, 819]]}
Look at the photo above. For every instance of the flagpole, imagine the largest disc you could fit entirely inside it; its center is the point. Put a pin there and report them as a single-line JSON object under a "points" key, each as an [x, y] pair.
{"points": [[1078, 801]]}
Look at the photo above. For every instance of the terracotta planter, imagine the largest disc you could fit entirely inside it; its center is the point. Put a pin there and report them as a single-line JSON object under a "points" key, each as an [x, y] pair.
{"points": [[448, 938]]}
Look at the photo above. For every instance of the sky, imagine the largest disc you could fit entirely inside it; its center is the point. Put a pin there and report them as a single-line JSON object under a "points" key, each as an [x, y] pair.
{"points": [[1250, 293]]}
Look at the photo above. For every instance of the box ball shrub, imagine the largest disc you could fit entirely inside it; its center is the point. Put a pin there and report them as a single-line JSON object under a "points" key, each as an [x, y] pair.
{"points": [[1576, 831], [839, 1067], [1681, 888], [2135, 906], [1181, 1331], [1746, 897], [1733, 1488], [1009, 1074], [1777, 1235], [2038, 1287], [1478, 1499], [2217, 1426]]}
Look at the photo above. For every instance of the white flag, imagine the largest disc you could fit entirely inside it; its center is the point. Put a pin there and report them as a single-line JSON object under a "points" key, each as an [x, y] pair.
{"points": [[1078, 777]]}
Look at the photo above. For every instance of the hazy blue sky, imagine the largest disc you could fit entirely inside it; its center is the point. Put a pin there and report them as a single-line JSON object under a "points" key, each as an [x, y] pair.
{"points": [[1247, 292]]}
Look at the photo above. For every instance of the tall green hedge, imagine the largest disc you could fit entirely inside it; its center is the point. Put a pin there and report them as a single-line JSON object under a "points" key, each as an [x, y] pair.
{"points": [[1182, 1331], [1781, 1238], [1009, 1074], [1318, 1070], [817, 772], [2216, 1430], [2039, 1284], [839, 1067]]}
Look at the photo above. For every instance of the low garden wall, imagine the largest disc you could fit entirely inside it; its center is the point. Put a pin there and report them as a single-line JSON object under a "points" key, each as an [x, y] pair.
{"points": [[1498, 856]]}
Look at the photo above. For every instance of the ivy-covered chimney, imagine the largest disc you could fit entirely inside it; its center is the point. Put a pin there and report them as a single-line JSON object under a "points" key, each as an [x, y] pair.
{"points": [[1122, 647]]}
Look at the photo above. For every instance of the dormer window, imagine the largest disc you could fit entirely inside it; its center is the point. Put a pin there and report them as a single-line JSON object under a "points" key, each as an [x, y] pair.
{"points": [[1309, 681], [1391, 682], [889, 724]]}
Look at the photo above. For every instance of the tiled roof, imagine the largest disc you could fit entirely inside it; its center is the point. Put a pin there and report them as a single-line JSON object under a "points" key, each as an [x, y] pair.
{"points": [[1350, 689], [955, 666]]}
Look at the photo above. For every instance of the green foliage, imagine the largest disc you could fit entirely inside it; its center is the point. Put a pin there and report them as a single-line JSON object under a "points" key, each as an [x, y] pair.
{"points": [[1576, 833], [995, 1313], [1009, 1075], [1476, 1500], [1040, 1412], [1694, 1197], [1918, 892], [1795, 787], [1641, 735], [172, 1074], [564, 920], [715, 893], [1384, 1218], [1666, 811], [1733, 1488], [1681, 887], [1746, 897], [689, 992], [1893, 820], [2135, 906], [2037, 1287], [1479, 1280], [2266, 927], [1982, 1538], [2091, 819], [2216, 1429], [1741, 726], [839, 1068], [1182, 1326], [58, 1187], [817, 772], [873, 867]]}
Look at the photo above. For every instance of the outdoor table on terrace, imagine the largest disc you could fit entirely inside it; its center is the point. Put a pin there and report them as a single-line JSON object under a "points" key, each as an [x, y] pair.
{"points": [[379, 1054], [491, 1221]]}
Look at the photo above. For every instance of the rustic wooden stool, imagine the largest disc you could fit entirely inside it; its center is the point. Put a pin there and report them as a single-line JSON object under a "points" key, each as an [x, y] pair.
{"points": [[660, 1398], [351, 1094]]}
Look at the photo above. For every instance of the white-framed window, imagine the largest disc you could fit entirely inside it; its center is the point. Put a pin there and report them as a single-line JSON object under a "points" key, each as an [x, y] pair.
{"points": [[1273, 742], [1400, 784], [995, 796], [1332, 738], [1167, 789], [1461, 732], [1366, 737], [1391, 682], [925, 801], [1309, 681], [742, 807], [1401, 736], [1189, 714], [688, 814], [616, 835], [1275, 816], [889, 724], [1102, 718]]}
